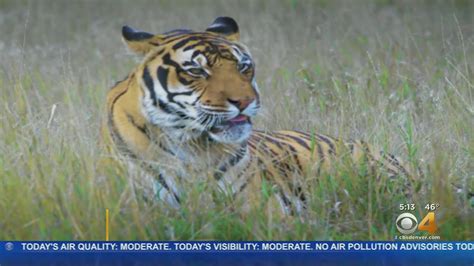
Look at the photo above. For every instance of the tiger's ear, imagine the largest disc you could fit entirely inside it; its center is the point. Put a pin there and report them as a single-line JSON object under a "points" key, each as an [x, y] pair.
{"points": [[225, 26], [139, 41]]}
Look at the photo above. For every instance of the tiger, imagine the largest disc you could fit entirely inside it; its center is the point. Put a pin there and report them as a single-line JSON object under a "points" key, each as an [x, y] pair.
{"points": [[184, 113]]}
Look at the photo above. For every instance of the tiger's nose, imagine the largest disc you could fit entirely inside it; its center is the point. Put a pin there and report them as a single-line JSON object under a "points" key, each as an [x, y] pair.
{"points": [[241, 104]]}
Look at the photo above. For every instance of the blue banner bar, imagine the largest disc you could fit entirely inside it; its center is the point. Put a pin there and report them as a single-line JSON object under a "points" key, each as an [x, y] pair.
{"points": [[235, 253]]}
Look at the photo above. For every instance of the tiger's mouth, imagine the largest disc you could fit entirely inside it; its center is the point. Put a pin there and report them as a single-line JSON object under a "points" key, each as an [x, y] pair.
{"points": [[238, 121]]}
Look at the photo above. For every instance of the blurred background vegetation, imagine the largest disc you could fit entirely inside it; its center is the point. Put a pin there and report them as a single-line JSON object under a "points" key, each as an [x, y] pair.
{"points": [[398, 74]]}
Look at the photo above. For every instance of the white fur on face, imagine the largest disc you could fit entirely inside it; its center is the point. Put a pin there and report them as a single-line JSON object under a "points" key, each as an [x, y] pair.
{"points": [[235, 134]]}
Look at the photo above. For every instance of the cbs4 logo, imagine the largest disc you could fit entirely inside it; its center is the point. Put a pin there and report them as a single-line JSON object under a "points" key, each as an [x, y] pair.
{"points": [[407, 223]]}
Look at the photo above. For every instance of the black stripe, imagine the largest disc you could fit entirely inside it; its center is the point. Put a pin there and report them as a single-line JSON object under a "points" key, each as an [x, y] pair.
{"points": [[251, 145], [242, 187], [120, 94], [270, 139], [162, 181], [321, 157], [167, 108], [154, 56], [196, 53], [300, 193], [149, 84], [188, 63], [199, 96], [299, 140], [162, 75], [193, 46], [114, 133], [167, 61], [247, 181], [184, 82], [295, 157], [142, 129], [282, 167], [184, 42], [286, 201], [177, 32], [312, 138], [280, 191], [294, 153], [204, 37], [164, 107], [173, 38], [325, 139], [165, 149], [266, 148], [304, 134], [393, 160], [234, 160]]}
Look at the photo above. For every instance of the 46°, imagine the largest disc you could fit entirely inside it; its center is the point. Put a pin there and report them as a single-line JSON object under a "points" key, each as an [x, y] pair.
{"points": [[431, 206]]}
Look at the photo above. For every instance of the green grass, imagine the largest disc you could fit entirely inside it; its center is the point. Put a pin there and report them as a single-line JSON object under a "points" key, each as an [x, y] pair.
{"points": [[398, 75]]}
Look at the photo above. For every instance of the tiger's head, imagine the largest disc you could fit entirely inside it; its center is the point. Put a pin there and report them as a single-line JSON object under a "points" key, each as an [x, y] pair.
{"points": [[197, 84]]}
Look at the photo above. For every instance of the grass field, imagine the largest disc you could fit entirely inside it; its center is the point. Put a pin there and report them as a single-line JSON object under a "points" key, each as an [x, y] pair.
{"points": [[398, 74]]}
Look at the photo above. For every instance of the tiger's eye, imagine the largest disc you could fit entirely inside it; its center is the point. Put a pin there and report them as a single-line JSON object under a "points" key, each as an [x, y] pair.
{"points": [[197, 71]]}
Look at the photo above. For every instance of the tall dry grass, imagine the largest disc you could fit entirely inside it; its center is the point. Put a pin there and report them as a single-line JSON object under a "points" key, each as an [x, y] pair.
{"points": [[395, 73]]}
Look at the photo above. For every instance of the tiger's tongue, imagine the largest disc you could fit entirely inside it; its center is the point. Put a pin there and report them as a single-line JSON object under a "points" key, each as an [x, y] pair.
{"points": [[238, 119]]}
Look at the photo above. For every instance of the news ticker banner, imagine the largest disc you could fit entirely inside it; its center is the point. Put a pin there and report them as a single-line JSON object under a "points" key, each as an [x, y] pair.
{"points": [[235, 253], [227, 246]]}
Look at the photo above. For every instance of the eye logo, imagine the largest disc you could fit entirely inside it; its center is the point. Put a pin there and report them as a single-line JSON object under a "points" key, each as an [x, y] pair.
{"points": [[9, 246], [406, 223]]}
